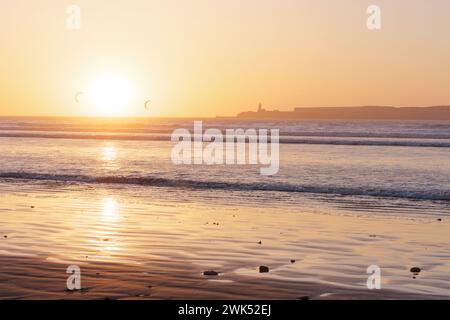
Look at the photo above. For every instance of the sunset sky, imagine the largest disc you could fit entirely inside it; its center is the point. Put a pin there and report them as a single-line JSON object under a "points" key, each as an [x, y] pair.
{"points": [[210, 57]]}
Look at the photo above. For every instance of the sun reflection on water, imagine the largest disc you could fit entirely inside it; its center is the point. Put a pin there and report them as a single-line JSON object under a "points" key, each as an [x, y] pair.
{"points": [[109, 152]]}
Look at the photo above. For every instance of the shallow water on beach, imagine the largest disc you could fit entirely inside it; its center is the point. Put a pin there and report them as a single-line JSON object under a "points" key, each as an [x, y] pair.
{"points": [[126, 239]]}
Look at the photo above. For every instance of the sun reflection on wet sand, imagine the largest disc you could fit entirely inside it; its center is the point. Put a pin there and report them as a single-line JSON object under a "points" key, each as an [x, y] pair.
{"points": [[110, 211], [107, 233]]}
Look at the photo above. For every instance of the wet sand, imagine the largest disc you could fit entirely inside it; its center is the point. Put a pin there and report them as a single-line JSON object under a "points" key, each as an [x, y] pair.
{"points": [[155, 243]]}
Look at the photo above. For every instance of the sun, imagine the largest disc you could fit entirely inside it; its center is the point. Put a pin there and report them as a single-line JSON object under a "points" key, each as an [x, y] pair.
{"points": [[110, 95]]}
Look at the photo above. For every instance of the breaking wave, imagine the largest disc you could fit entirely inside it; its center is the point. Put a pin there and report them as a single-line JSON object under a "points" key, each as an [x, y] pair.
{"points": [[235, 186]]}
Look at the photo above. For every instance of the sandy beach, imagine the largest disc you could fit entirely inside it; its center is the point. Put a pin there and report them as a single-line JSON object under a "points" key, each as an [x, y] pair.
{"points": [[153, 243]]}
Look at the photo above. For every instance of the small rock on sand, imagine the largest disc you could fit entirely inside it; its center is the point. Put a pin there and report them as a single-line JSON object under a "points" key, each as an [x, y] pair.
{"points": [[263, 269], [259, 242], [292, 261], [5, 236], [32, 207], [415, 270], [210, 273], [439, 219]]}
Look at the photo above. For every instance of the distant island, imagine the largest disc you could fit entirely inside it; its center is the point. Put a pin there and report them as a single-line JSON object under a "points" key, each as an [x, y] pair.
{"points": [[361, 113]]}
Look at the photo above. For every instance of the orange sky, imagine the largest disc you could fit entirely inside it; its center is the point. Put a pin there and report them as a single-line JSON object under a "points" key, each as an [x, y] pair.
{"points": [[210, 57]]}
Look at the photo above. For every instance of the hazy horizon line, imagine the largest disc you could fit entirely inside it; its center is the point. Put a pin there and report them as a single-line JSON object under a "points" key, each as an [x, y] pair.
{"points": [[236, 116], [211, 117]]}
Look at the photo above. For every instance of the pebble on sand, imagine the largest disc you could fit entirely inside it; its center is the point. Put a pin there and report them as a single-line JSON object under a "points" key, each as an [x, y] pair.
{"points": [[415, 270], [5, 236], [439, 219], [259, 242], [210, 273], [32, 207], [292, 261], [263, 269]]}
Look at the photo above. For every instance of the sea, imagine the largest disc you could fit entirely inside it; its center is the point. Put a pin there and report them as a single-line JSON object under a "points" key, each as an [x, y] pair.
{"points": [[404, 160]]}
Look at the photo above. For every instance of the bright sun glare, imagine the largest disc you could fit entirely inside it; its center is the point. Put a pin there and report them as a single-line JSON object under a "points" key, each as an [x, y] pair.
{"points": [[110, 95]]}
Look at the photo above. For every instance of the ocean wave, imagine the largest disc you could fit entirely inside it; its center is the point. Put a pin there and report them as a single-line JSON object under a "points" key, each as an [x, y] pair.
{"points": [[442, 195], [166, 130], [321, 140]]}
